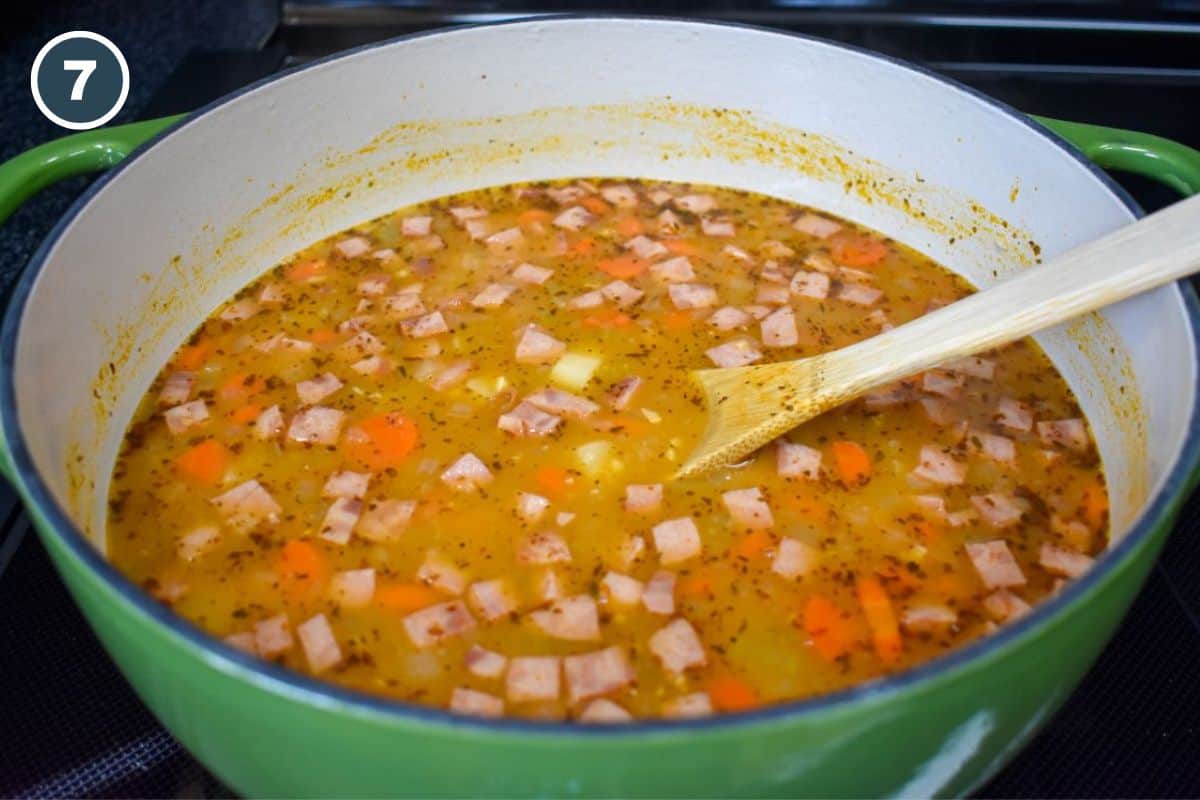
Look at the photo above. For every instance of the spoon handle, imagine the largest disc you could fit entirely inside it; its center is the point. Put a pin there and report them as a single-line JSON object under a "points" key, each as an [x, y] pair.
{"points": [[1157, 249]]}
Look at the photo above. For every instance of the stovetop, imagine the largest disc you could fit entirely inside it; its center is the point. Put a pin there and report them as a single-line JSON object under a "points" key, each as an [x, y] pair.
{"points": [[73, 727]]}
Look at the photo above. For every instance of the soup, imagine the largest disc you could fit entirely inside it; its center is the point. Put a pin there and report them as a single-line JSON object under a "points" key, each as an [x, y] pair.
{"points": [[430, 459]]}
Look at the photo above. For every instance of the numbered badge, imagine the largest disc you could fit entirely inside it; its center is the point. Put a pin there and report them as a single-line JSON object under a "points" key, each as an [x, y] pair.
{"points": [[80, 80]]}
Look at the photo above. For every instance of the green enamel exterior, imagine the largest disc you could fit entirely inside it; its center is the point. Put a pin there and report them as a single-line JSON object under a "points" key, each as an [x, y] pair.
{"points": [[270, 735]]}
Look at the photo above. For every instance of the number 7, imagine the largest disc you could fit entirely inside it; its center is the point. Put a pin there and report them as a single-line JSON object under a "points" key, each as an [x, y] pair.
{"points": [[85, 69]]}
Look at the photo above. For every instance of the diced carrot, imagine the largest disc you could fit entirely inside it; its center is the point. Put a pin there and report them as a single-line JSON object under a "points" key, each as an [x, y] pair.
{"points": [[382, 441], [306, 270], [194, 355], [405, 596], [323, 336], [753, 544], [595, 205], [1095, 507], [877, 608], [241, 387], [246, 414], [852, 463], [827, 628], [205, 462], [583, 246], [730, 693], [927, 530], [301, 565], [630, 226], [608, 318], [533, 216], [623, 266], [807, 506], [698, 584], [553, 480], [681, 247], [859, 251], [677, 320]]}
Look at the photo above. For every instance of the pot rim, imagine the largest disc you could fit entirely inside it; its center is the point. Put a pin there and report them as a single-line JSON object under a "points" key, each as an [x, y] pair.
{"points": [[301, 687]]}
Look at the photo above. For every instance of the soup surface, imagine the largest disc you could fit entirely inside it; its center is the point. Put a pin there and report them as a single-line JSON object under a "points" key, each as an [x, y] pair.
{"points": [[430, 458]]}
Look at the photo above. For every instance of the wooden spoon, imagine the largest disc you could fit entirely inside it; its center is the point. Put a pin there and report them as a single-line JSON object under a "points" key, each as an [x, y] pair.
{"points": [[750, 406]]}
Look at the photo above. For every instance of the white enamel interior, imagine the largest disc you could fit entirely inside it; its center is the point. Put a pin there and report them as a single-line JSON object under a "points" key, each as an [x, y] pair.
{"points": [[191, 220]]}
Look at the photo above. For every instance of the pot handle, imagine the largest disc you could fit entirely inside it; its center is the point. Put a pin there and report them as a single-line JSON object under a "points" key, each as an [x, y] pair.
{"points": [[24, 175], [1171, 163]]}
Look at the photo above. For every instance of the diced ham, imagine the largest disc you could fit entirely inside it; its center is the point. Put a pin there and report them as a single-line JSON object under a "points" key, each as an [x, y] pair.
{"points": [[544, 548], [972, 366], [643, 498], [772, 294], [373, 285], [676, 540], [658, 595], [729, 318], [574, 218], [467, 473], [197, 542], [1013, 414], [285, 342], [669, 222], [240, 310], [476, 228], [859, 295], [999, 510], [483, 663], [353, 247], [441, 573], [416, 226], [772, 274], [272, 293], [604, 712], [177, 388], [1005, 606], [531, 274], [997, 448], [793, 558], [748, 508], [689, 706], [384, 254], [538, 347], [631, 550], [856, 276], [531, 507], [574, 619], [528, 420], [273, 636], [932, 504], [737, 353], [436, 623], [779, 328], [620, 196], [464, 213], [320, 647], [556, 401], [893, 395], [1069, 433], [385, 520], [475, 704], [942, 383], [317, 389], [797, 461], [957, 519], [493, 295], [939, 411], [269, 423], [428, 325], [246, 505], [938, 466], [347, 484], [1072, 531], [404, 305], [451, 376], [532, 678], [353, 588], [674, 270], [593, 299], [815, 225], [491, 599], [361, 344], [243, 641], [713, 226], [622, 590], [692, 295], [1063, 562], [995, 564], [185, 416], [647, 248], [506, 239], [621, 393], [677, 646], [317, 425], [810, 284], [547, 586], [695, 203], [340, 520], [928, 617], [733, 251], [599, 672], [621, 293]]}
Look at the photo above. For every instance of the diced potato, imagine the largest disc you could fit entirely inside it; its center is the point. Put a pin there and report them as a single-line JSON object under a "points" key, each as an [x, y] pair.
{"points": [[487, 388], [653, 417], [574, 370], [596, 457]]}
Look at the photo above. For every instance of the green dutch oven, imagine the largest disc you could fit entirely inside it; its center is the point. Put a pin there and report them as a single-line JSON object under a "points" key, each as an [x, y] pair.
{"points": [[198, 206]]}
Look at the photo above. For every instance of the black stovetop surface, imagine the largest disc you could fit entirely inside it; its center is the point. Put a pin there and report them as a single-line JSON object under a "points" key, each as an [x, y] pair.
{"points": [[71, 726]]}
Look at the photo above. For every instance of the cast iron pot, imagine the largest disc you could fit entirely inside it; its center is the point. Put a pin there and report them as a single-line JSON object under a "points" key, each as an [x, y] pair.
{"points": [[214, 199]]}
